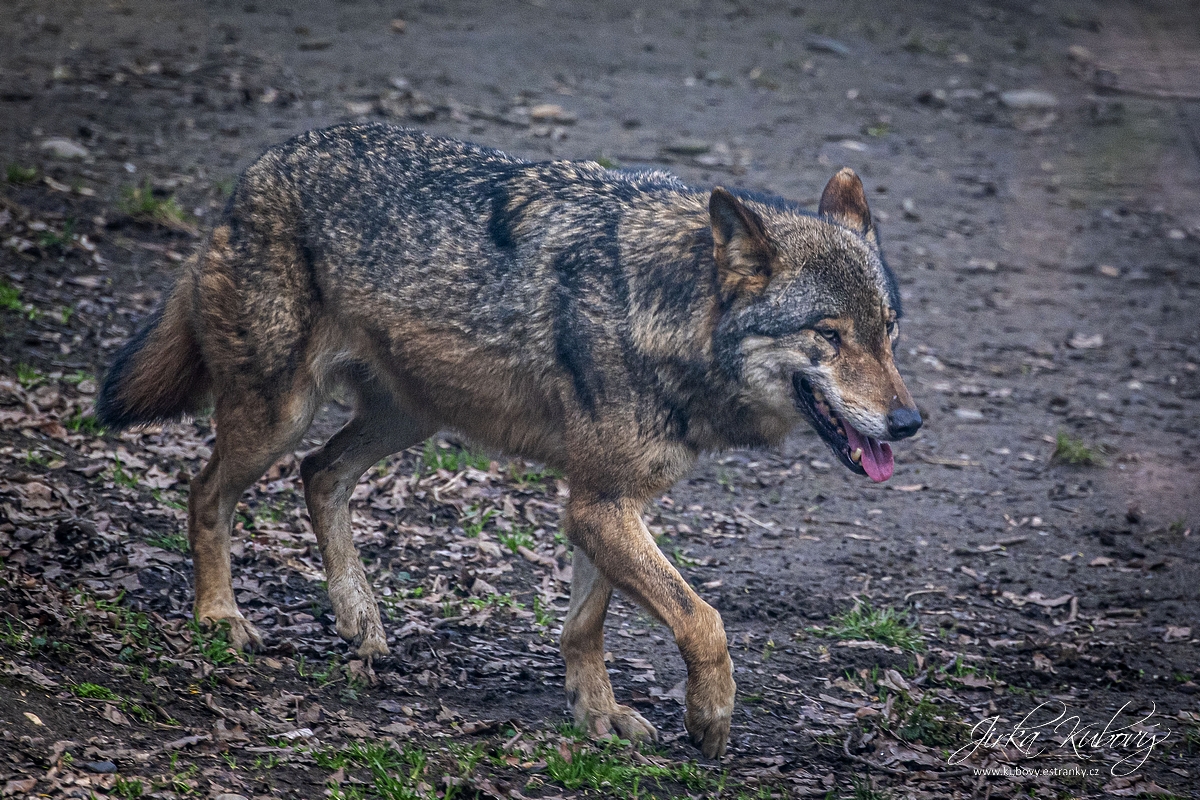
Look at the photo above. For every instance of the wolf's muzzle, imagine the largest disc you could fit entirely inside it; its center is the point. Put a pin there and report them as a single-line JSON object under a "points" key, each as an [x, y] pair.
{"points": [[903, 422]]}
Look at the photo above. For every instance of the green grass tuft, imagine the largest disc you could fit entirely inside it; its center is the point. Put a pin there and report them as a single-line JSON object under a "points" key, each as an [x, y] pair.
{"points": [[1069, 450], [435, 457], [170, 541], [10, 300], [15, 173], [517, 538], [129, 788], [213, 643], [28, 376], [93, 691], [884, 625], [923, 721], [79, 422], [607, 766], [140, 202]]}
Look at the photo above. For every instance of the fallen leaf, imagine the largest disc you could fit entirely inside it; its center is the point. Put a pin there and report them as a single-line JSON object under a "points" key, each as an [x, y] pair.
{"points": [[113, 715], [23, 786], [1173, 633]]}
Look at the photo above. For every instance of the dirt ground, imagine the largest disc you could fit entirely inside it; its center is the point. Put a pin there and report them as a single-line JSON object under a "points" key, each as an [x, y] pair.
{"points": [[1047, 244]]}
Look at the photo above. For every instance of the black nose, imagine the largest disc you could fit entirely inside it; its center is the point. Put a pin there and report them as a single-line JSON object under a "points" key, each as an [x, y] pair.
{"points": [[903, 422]]}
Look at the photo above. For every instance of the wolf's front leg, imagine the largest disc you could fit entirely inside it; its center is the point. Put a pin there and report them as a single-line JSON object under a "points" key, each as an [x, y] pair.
{"points": [[588, 689], [611, 533]]}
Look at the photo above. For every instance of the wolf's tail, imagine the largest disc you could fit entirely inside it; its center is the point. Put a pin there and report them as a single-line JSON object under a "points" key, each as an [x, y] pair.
{"points": [[159, 374]]}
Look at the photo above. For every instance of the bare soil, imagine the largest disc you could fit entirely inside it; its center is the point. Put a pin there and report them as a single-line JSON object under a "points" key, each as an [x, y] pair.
{"points": [[1048, 251]]}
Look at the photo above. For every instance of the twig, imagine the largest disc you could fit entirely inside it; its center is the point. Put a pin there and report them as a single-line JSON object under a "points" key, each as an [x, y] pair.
{"points": [[1158, 94]]}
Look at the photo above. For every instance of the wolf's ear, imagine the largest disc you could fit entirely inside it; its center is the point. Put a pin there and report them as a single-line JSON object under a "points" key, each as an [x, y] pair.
{"points": [[845, 202], [740, 245]]}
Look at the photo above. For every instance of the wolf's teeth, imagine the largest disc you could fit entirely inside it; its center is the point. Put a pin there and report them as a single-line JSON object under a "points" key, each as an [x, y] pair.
{"points": [[856, 455]]}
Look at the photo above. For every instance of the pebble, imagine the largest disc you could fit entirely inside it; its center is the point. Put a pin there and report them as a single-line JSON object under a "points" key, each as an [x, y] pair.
{"points": [[910, 209], [1083, 341], [60, 147], [551, 112], [1028, 99], [228, 796], [968, 414], [823, 44], [102, 767], [934, 98], [687, 147]]}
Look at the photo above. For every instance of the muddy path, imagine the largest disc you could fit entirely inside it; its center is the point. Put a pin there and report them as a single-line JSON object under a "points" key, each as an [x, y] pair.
{"points": [[1034, 173]]}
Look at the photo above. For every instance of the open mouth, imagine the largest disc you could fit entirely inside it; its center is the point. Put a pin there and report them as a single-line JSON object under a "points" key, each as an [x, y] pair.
{"points": [[860, 453]]}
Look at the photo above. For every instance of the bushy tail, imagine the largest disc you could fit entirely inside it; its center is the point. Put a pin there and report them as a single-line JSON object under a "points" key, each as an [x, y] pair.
{"points": [[159, 374]]}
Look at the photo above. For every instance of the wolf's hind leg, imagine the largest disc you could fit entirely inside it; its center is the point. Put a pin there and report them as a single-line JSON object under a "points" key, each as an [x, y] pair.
{"points": [[252, 431], [378, 429], [588, 689]]}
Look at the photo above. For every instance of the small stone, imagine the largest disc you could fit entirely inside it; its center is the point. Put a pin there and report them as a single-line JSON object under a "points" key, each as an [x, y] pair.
{"points": [[968, 414], [422, 112], [687, 147], [359, 108], [103, 767], [1105, 111], [1109, 271], [60, 147], [824, 44], [1176, 234], [910, 209], [551, 112], [1080, 54], [1085, 341], [398, 25], [934, 98], [300, 733], [230, 796], [1026, 99]]}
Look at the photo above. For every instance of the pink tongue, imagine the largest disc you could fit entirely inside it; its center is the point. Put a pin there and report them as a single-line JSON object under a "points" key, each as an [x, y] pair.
{"points": [[876, 455]]}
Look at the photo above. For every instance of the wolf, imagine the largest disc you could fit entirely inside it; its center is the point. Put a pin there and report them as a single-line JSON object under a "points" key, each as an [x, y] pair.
{"points": [[612, 325]]}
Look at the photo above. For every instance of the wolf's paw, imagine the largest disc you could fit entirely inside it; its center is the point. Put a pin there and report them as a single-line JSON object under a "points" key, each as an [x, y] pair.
{"points": [[618, 720], [358, 620], [242, 635], [710, 710]]}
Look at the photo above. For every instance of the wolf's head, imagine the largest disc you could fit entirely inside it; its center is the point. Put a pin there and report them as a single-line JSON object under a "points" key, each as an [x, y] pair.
{"points": [[812, 314]]}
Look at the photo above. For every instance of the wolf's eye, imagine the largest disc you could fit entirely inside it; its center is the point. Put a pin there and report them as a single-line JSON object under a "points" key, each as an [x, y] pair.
{"points": [[830, 335]]}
